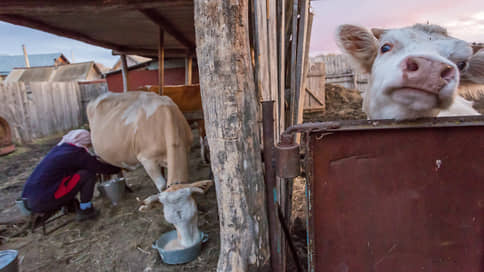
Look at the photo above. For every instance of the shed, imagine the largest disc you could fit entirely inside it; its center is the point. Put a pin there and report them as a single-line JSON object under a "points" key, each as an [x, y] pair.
{"points": [[146, 73], [8, 63], [69, 72], [131, 60]]}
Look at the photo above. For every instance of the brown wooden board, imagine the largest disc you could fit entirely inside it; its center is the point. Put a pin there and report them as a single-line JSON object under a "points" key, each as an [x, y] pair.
{"points": [[393, 198]]}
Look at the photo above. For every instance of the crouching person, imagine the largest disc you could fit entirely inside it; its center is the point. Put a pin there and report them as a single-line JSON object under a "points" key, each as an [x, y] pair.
{"points": [[66, 170]]}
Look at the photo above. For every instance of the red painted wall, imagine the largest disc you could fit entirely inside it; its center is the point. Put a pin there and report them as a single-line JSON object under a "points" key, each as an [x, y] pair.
{"points": [[138, 78]]}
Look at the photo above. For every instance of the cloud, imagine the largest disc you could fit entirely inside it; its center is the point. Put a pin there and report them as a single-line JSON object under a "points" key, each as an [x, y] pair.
{"points": [[463, 20]]}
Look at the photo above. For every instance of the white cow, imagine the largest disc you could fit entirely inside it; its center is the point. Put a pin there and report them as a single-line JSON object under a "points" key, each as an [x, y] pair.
{"points": [[414, 71], [144, 128]]}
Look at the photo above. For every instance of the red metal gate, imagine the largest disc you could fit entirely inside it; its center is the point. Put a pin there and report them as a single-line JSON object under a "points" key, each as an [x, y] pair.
{"points": [[387, 196]]}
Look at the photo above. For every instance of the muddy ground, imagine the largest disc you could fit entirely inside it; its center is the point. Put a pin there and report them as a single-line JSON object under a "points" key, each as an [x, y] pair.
{"points": [[120, 240]]}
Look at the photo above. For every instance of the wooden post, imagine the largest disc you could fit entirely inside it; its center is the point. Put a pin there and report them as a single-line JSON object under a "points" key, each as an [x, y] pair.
{"points": [[124, 70], [230, 111], [282, 64], [161, 60], [188, 70]]}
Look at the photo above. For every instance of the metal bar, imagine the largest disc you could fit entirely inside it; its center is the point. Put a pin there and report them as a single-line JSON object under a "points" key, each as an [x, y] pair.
{"points": [[285, 230], [270, 181], [351, 125]]}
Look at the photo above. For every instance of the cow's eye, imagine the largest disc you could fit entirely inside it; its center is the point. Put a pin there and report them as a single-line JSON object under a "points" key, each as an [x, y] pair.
{"points": [[386, 47], [462, 65]]}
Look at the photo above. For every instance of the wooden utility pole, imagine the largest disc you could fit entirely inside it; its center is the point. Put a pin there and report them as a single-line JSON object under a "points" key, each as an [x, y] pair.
{"points": [[230, 110]]}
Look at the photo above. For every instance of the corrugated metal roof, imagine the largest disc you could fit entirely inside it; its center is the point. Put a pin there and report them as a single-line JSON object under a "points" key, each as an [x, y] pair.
{"points": [[66, 72], [7, 63]]}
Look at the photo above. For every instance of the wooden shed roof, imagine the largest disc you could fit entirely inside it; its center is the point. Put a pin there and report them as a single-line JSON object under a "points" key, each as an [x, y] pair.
{"points": [[125, 26]]}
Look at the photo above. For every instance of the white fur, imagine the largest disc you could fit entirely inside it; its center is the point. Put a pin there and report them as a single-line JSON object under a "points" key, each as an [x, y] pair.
{"points": [[181, 210], [387, 96]]}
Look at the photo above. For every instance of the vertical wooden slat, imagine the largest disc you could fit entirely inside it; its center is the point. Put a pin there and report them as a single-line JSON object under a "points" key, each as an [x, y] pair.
{"points": [[282, 64], [161, 60], [292, 97], [301, 55], [261, 50], [188, 70], [124, 70]]}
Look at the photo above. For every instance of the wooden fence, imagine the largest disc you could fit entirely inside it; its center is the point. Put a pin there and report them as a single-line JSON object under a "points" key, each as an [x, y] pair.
{"points": [[339, 71], [39, 109]]}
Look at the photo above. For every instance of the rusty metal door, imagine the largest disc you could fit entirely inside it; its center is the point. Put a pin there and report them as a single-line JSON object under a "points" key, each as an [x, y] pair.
{"points": [[397, 197]]}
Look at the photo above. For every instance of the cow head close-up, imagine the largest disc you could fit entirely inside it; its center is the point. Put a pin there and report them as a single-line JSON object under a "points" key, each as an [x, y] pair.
{"points": [[414, 71]]}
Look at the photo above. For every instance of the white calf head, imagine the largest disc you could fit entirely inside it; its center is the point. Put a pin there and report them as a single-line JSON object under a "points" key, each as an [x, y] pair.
{"points": [[415, 71], [180, 210]]}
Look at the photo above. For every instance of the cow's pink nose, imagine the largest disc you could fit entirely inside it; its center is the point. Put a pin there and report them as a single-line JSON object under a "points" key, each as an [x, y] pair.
{"points": [[426, 74]]}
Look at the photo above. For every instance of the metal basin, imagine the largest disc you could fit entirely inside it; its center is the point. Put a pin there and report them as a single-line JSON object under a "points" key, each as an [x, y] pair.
{"points": [[114, 189], [8, 261], [178, 256]]}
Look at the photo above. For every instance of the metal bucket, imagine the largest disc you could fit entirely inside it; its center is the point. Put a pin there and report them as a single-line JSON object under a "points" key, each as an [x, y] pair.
{"points": [[179, 256], [8, 261], [114, 189]]}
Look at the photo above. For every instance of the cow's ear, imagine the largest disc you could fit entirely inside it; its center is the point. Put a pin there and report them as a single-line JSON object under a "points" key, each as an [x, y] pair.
{"points": [[377, 32], [476, 48], [359, 44], [475, 71]]}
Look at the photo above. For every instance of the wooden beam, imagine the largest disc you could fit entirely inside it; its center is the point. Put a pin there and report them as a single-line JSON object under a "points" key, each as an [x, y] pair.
{"points": [[153, 53], [188, 70], [33, 23], [124, 70], [161, 60], [15, 6], [167, 26]]}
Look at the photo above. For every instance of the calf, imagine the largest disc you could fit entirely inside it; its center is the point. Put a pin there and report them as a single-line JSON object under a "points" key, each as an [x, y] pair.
{"points": [[414, 71]]}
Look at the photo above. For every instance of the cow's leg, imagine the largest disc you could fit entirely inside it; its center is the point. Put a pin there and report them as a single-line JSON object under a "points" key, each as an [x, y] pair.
{"points": [[154, 171]]}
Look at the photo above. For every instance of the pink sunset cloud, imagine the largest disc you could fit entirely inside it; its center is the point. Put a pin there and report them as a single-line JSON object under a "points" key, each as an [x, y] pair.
{"points": [[464, 19]]}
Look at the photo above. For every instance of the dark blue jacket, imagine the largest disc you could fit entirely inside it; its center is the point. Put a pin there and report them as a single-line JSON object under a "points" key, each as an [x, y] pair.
{"points": [[62, 161]]}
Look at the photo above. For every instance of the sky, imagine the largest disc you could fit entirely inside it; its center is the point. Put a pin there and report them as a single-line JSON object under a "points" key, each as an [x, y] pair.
{"points": [[463, 20]]}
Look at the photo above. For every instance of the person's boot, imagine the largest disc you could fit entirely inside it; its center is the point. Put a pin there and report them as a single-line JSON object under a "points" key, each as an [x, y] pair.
{"points": [[89, 213]]}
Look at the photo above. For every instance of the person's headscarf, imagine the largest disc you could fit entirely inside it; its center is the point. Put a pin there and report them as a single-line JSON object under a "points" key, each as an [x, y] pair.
{"points": [[77, 137]]}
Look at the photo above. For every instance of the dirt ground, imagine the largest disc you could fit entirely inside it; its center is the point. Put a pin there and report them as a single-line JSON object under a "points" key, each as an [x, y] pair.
{"points": [[120, 240]]}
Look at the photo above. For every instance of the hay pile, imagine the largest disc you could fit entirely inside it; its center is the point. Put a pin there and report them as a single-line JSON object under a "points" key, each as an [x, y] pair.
{"points": [[341, 104]]}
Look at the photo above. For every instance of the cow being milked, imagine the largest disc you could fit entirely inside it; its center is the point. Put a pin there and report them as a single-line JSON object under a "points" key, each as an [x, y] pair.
{"points": [[128, 129], [414, 71]]}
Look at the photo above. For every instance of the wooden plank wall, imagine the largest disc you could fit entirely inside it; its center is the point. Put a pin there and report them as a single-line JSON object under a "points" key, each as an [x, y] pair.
{"points": [[39, 109], [339, 71], [314, 100], [90, 91]]}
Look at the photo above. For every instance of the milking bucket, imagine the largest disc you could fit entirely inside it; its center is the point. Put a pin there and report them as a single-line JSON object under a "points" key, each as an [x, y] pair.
{"points": [[178, 255], [114, 189], [8, 261]]}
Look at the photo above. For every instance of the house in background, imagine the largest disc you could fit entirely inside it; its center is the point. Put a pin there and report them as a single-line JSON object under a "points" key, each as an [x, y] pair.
{"points": [[8, 63], [131, 60], [146, 73], [83, 71]]}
